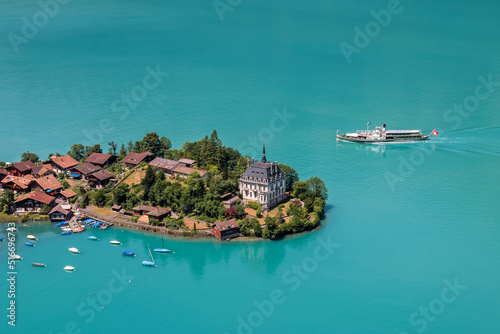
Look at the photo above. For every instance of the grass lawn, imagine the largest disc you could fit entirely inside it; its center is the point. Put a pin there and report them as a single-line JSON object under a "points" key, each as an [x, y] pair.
{"points": [[135, 178], [103, 212]]}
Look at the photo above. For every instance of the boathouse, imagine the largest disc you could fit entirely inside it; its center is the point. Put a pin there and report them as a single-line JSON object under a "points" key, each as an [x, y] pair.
{"points": [[61, 212], [225, 230]]}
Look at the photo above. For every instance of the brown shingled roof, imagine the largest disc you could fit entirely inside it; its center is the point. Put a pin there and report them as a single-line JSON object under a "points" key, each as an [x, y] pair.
{"points": [[49, 182], [64, 162], [98, 158], [58, 208], [103, 174], [135, 158], [38, 196], [68, 193], [22, 166], [87, 168], [187, 161]]}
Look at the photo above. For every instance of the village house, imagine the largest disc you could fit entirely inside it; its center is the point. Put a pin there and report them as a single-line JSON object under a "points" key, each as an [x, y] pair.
{"points": [[83, 171], [32, 202], [167, 165], [263, 182], [187, 162], [133, 159], [20, 168], [61, 212], [40, 171], [186, 171], [62, 164], [48, 184], [101, 178], [100, 159], [3, 174], [229, 200], [67, 194], [152, 212], [17, 184], [225, 230]]}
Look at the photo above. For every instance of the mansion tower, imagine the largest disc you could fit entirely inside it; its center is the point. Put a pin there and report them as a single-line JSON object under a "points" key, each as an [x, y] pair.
{"points": [[263, 182]]}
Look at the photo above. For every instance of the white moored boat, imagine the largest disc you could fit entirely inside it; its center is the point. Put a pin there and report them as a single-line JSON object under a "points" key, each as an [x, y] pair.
{"points": [[381, 135], [69, 268], [74, 250]]}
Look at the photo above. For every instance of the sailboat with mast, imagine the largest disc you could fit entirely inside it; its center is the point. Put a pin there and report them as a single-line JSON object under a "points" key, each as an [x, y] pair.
{"points": [[163, 249], [31, 236], [115, 242], [149, 263]]}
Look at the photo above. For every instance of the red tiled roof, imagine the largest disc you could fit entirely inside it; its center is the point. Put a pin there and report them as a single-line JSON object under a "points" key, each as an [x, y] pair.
{"points": [[188, 170], [3, 172], [135, 158], [68, 193], [164, 163], [98, 158], [40, 170], [38, 196], [64, 162], [22, 182], [49, 182]]}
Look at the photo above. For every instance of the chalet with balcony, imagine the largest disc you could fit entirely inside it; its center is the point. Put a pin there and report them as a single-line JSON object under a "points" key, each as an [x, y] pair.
{"points": [[101, 178], [133, 159], [48, 184], [3, 174], [62, 164], [18, 184], [83, 171], [225, 230], [32, 202], [152, 212], [20, 168], [100, 159], [67, 194], [41, 171]]}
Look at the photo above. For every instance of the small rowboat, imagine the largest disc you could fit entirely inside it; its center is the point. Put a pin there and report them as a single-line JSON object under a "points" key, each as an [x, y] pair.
{"points": [[92, 237], [74, 250], [65, 232], [32, 237], [27, 243], [39, 264], [15, 257], [69, 268], [1, 239], [128, 253]]}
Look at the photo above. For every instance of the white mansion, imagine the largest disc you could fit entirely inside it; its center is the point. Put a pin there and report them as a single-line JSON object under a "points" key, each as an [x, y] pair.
{"points": [[263, 182]]}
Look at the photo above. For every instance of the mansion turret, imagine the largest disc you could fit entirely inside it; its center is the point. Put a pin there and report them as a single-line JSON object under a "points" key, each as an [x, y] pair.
{"points": [[263, 182]]}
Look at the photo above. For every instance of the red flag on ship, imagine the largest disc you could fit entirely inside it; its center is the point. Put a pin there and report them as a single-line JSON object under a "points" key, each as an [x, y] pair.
{"points": [[434, 132]]}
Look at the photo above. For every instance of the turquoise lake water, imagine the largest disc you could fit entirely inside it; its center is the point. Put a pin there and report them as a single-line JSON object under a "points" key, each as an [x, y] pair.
{"points": [[413, 229]]}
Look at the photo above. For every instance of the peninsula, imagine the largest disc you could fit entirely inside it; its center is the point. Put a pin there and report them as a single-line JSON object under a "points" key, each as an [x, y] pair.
{"points": [[201, 189]]}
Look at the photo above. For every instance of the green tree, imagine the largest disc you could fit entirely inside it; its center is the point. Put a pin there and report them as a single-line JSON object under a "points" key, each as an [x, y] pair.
{"points": [[120, 193], [123, 152], [257, 229], [318, 188], [30, 156], [91, 149], [77, 152], [301, 190], [154, 144], [45, 209], [112, 147], [99, 197], [148, 181], [291, 176]]}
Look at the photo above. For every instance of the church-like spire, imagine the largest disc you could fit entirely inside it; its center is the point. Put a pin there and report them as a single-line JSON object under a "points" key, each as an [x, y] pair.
{"points": [[264, 151]]}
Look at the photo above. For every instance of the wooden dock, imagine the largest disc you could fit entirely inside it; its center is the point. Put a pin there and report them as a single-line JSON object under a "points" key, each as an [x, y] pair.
{"points": [[75, 226]]}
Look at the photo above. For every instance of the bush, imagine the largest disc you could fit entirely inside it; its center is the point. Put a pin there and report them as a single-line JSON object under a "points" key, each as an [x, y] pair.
{"points": [[134, 219], [259, 213], [254, 205]]}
